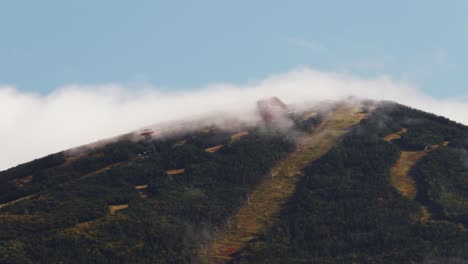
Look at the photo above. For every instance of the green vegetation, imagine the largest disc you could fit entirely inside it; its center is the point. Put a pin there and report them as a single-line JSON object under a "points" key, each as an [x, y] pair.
{"points": [[400, 177], [444, 176], [68, 220], [54, 169], [344, 209]]}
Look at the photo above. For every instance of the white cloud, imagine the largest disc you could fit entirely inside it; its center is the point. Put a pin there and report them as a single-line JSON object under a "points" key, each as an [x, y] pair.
{"points": [[33, 125]]}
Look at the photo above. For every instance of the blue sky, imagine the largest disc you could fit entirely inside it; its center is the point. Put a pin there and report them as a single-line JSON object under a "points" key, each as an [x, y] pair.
{"points": [[71, 67], [184, 44]]}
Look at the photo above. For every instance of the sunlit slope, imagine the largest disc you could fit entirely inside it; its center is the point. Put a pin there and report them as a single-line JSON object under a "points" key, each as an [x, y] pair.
{"points": [[266, 201]]}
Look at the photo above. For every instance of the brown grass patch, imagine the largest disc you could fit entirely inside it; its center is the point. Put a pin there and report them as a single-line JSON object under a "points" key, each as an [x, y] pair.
{"points": [[115, 208], [400, 177], [396, 135], [214, 149], [106, 168], [175, 171], [141, 190], [84, 225], [237, 136], [400, 173]]}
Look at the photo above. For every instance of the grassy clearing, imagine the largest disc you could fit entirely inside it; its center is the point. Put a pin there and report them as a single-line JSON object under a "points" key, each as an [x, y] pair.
{"points": [[106, 168], [400, 177], [237, 136], [400, 173], [396, 135], [266, 201], [141, 190], [214, 149], [115, 208], [175, 171]]}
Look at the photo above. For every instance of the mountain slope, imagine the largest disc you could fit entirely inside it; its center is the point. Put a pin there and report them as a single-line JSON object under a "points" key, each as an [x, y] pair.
{"points": [[265, 202], [347, 210], [112, 205], [64, 215]]}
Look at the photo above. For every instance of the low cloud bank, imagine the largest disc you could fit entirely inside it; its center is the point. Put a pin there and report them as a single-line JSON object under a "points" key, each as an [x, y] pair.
{"points": [[34, 125]]}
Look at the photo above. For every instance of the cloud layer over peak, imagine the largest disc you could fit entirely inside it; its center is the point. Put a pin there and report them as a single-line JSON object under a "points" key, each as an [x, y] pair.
{"points": [[34, 125]]}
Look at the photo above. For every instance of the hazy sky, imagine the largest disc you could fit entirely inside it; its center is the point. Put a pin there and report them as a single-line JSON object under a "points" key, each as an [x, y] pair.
{"points": [[182, 44]]}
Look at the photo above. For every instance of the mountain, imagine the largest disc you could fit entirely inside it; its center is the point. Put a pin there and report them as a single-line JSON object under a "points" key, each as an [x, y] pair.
{"points": [[352, 181]]}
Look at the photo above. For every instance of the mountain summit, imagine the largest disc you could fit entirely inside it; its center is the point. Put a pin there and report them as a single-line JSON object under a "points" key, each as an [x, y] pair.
{"points": [[353, 181]]}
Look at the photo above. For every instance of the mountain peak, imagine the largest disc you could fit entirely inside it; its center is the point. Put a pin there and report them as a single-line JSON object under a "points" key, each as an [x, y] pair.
{"points": [[344, 181]]}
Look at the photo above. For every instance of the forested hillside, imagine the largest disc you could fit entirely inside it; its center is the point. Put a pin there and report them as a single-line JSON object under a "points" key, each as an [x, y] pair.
{"points": [[68, 217], [346, 210], [116, 204]]}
